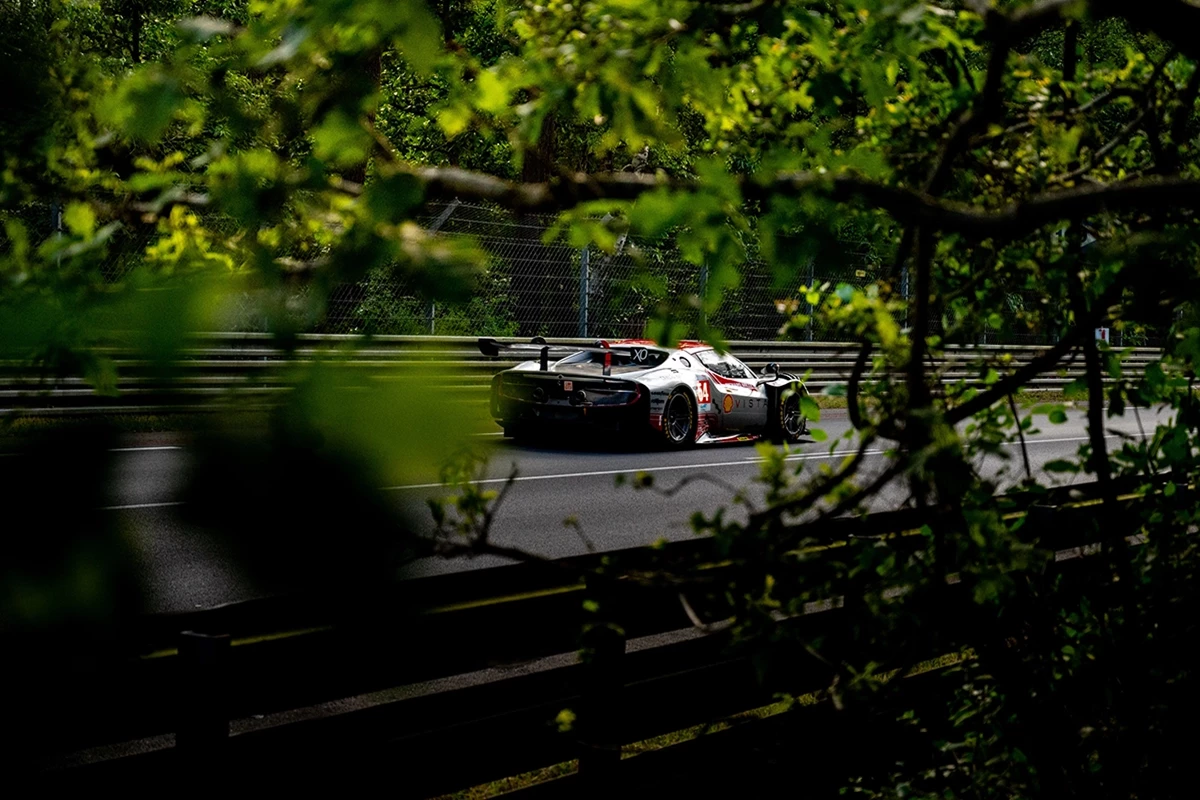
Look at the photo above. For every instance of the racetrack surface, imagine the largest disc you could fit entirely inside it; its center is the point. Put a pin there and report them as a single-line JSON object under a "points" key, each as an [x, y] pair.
{"points": [[183, 569]]}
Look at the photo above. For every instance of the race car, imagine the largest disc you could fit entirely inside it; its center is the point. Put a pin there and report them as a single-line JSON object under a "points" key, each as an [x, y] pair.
{"points": [[678, 396]]}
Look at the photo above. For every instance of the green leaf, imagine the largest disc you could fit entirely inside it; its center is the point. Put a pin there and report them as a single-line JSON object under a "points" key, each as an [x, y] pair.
{"points": [[657, 212], [818, 434], [80, 219], [453, 120], [1169, 489], [1061, 465], [390, 198], [809, 408], [419, 38], [1058, 416], [340, 140], [143, 104], [491, 93]]}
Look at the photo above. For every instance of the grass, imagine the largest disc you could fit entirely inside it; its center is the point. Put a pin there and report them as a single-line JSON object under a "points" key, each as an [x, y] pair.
{"points": [[126, 423], [1023, 399]]}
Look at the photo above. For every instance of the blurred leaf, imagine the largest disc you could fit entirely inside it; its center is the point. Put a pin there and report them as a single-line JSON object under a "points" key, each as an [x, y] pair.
{"points": [[341, 140], [809, 408]]}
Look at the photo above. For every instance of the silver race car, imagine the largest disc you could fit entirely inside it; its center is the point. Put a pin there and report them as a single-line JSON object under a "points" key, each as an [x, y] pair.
{"points": [[677, 395]]}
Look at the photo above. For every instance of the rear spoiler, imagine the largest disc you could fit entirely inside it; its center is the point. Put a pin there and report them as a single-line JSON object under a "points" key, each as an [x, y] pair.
{"points": [[491, 347]]}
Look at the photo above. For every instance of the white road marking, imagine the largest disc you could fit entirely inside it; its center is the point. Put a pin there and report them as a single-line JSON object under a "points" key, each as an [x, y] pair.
{"points": [[601, 473], [144, 449], [674, 467], [136, 506], [630, 470]]}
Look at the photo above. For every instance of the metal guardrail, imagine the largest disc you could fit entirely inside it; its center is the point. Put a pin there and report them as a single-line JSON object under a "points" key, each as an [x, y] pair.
{"points": [[221, 366], [283, 657]]}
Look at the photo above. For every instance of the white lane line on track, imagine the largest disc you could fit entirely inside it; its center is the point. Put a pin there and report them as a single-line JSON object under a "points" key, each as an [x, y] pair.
{"points": [[137, 506], [674, 467], [144, 449], [601, 473], [627, 470]]}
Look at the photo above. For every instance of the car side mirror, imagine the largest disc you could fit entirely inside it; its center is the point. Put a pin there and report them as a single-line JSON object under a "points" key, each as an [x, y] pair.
{"points": [[772, 368]]}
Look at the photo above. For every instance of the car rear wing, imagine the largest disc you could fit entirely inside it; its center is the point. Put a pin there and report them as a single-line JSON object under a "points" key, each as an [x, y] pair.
{"points": [[491, 347]]}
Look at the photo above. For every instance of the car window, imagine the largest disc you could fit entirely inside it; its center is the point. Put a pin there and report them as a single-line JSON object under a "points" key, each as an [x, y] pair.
{"points": [[724, 365], [622, 358]]}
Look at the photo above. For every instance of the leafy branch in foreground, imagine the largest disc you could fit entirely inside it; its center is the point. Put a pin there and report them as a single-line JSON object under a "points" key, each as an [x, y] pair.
{"points": [[977, 148]]}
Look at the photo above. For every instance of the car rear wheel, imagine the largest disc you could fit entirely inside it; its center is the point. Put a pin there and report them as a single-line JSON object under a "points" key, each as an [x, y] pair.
{"points": [[679, 419]]}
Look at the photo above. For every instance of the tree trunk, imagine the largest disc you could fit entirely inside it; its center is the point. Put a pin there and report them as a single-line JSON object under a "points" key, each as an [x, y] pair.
{"points": [[135, 38]]}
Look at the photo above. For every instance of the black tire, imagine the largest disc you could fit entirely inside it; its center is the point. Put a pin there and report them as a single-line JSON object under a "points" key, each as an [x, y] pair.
{"points": [[679, 422], [789, 423]]}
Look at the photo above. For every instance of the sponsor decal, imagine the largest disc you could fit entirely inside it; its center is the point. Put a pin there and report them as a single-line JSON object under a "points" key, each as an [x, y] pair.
{"points": [[568, 385], [728, 403], [703, 392], [730, 381]]}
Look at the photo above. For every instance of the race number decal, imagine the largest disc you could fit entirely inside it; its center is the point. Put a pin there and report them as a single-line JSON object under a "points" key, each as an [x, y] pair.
{"points": [[704, 394]]}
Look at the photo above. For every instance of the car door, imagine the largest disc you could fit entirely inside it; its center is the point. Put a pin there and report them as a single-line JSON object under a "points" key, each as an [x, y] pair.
{"points": [[738, 401]]}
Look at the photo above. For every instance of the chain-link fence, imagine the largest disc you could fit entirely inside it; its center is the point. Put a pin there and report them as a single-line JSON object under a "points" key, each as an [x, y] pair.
{"points": [[533, 287]]}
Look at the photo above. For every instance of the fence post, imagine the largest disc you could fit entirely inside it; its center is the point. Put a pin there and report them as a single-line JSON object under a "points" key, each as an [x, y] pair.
{"points": [[203, 703], [812, 309], [603, 679], [447, 212], [584, 289], [904, 289], [56, 219], [703, 293]]}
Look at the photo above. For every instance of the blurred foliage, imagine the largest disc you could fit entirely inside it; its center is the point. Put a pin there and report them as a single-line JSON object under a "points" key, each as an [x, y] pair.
{"points": [[274, 144]]}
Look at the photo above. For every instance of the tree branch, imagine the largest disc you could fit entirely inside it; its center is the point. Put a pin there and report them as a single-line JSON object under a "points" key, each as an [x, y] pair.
{"points": [[801, 503], [1010, 383], [1104, 150], [1012, 404], [918, 390], [904, 204], [860, 364]]}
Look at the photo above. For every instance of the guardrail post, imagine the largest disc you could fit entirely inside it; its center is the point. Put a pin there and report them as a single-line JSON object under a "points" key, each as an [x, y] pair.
{"points": [[203, 706], [603, 652]]}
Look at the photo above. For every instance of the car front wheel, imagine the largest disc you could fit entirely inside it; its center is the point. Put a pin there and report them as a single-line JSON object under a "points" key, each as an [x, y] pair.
{"points": [[790, 423]]}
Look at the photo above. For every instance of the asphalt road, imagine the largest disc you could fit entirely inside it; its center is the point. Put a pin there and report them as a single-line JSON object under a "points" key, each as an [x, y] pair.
{"points": [[184, 569]]}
